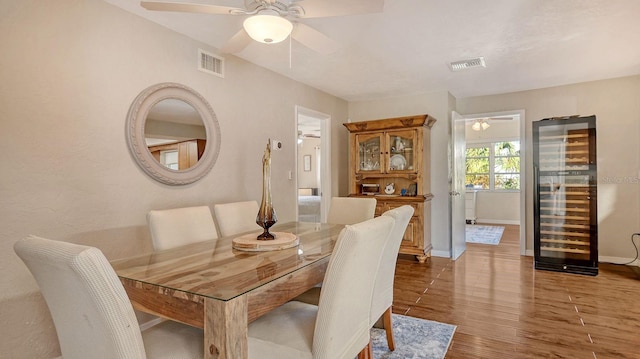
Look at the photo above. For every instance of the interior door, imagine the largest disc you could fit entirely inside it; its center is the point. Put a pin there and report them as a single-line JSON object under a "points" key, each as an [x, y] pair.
{"points": [[319, 126], [457, 188]]}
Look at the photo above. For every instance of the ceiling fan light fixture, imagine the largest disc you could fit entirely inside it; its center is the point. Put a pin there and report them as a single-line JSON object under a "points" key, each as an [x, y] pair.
{"points": [[268, 28], [480, 125]]}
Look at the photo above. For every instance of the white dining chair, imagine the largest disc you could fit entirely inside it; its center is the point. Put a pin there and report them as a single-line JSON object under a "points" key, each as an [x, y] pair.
{"points": [[351, 210], [236, 217], [339, 327], [383, 288], [180, 226], [91, 312], [343, 210]]}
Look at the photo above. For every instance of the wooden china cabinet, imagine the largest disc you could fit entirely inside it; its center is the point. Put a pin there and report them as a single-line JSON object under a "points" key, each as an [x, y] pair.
{"points": [[188, 152], [390, 160]]}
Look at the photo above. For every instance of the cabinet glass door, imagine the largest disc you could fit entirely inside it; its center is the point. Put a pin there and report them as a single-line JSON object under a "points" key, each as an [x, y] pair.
{"points": [[400, 146], [369, 149]]}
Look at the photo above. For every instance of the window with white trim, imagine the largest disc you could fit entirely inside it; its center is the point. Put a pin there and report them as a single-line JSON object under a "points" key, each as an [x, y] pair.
{"points": [[493, 166], [169, 159]]}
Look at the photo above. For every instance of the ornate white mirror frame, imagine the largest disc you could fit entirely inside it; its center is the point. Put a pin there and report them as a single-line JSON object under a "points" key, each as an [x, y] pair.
{"points": [[135, 132]]}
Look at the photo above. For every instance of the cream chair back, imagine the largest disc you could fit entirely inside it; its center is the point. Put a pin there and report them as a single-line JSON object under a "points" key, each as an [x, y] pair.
{"points": [[343, 324], [179, 226], [351, 210], [338, 327], [383, 289], [90, 308], [236, 217]]}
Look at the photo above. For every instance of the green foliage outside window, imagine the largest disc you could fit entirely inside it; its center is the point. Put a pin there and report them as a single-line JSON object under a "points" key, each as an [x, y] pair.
{"points": [[505, 171], [477, 164]]}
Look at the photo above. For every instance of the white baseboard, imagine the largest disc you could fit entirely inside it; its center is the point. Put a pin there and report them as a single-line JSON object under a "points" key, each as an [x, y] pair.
{"points": [[530, 253], [619, 260], [443, 254]]}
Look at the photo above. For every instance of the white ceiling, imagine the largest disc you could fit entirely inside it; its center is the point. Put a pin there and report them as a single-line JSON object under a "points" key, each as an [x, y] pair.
{"points": [[406, 49]]}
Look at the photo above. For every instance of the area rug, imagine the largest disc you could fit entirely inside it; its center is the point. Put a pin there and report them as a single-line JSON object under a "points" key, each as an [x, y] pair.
{"points": [[415, 338], [483, 234]]}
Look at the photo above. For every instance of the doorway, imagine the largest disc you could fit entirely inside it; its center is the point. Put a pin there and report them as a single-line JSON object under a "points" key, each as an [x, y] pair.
{"points": [[313, 174], [493, 140]]}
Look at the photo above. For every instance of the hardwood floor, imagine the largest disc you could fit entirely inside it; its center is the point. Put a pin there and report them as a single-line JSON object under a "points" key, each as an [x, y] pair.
{"points": [[503, 308]]}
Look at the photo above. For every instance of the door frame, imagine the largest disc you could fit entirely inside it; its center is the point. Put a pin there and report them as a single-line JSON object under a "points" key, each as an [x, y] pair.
{"points": [[325, 153], [524, 168], [457, 194]]}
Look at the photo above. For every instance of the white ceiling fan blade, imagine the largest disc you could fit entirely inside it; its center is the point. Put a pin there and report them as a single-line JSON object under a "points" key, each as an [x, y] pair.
{"points": [[328, 8], [185, 7], [237, 43], [500, 118], [314, 39]]}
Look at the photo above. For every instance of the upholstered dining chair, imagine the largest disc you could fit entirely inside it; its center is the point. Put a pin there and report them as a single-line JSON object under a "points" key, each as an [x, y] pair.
{"points": [[343, 210], [383, 288], [179, 226], [339, 327], [90, 308], [236, 217], [351, 210]]}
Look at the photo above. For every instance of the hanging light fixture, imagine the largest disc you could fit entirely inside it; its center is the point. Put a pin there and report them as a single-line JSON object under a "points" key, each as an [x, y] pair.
{"points": [[480, 124], [268, 27]]}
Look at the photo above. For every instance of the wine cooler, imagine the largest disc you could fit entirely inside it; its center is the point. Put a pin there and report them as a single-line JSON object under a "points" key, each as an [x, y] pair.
{"points": [[565, 195]]}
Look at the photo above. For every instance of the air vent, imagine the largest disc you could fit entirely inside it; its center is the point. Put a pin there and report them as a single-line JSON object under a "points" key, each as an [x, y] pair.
{"points": [[211, 64], [467, 64]]}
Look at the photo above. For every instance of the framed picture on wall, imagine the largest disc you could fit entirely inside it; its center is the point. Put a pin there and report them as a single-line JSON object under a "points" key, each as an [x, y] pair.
{"points": [[307, 163]]}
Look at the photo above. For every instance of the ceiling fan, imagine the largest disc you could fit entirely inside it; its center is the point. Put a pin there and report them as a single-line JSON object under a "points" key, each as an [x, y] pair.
{"points": [[303, 136], [272, 21], [481, 124]]}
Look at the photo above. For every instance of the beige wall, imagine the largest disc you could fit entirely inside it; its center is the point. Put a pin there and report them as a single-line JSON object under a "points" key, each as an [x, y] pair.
{"points": [[438, 105], [308, 179], [616, 104], [69, 71], [498, 207]]}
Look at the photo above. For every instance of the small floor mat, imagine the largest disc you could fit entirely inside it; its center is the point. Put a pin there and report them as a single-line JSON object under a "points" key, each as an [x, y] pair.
{"points": [[483, 234]]}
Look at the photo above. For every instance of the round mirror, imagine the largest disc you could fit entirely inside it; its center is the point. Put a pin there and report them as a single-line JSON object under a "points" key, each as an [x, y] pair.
{"points": [[173, 133]]}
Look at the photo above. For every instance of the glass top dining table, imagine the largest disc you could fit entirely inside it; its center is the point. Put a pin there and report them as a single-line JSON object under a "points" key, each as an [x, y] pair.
{"points": [[213, 286]]}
